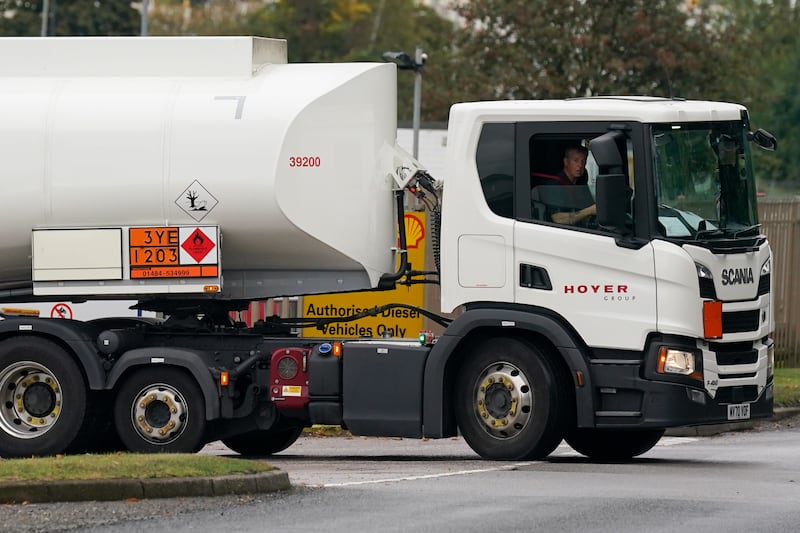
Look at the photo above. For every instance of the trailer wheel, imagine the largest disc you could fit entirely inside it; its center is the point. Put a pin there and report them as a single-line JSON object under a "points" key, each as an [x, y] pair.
{"points": [[264, 442], [42, 398], [160, 410], [613, 445], [508, 401]]}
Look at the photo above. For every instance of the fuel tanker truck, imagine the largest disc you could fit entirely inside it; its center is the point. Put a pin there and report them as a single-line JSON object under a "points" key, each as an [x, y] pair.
{"points": [[195, 175]]}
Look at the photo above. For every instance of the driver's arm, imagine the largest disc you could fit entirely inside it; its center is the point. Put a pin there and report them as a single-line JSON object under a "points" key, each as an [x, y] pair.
{"points": [[575, 217]]}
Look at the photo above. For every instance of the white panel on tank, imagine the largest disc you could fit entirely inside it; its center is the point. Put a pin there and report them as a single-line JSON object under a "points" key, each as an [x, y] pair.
{"points": [[79, 254]]}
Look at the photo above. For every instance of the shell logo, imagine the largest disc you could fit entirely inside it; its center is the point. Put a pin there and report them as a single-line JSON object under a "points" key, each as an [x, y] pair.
{"points": [[415, 231]]}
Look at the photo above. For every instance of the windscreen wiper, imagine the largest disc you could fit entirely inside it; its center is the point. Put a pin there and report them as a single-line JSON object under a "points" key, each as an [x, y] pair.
{"points": [[745, 232]]}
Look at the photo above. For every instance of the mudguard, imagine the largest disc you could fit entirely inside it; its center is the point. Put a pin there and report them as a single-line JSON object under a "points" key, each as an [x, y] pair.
{"points": [[159, 355], [77, 337], [438, 420]]}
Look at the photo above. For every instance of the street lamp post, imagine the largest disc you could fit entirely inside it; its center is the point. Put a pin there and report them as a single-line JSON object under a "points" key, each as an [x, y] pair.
{"points": [[419, 61], [145, 17], [405, 62], [45, 16]]}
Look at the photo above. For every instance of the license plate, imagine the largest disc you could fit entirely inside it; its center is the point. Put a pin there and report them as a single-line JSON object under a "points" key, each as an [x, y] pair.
{"points": [[739, 411]]}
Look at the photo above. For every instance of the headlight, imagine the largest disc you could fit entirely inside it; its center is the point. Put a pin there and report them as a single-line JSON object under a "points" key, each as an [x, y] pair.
{"points": [[676, 362], [703, 271], [766, 268]]}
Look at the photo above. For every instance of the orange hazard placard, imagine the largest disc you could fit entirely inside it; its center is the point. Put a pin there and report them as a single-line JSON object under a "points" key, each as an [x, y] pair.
{"points": [[203, 271], [153, 237], [153, 246], [167, 252]]}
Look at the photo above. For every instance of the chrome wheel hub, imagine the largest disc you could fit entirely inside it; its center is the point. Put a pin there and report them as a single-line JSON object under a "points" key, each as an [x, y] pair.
{"points": [[503, 400], [159, 413], [31, 400]]}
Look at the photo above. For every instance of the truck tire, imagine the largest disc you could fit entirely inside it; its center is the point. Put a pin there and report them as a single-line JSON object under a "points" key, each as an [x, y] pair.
{"points": [[43, 398], [160, 410], [509, 403], [612, 445], [264, 442]]}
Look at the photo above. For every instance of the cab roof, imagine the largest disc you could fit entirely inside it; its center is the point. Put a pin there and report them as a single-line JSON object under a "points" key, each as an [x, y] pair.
{"points": [[623, 108]]}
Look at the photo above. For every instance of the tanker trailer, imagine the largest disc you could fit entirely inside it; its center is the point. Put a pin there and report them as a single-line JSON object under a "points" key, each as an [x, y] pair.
{"points": [[124, 164], [292, 162]]}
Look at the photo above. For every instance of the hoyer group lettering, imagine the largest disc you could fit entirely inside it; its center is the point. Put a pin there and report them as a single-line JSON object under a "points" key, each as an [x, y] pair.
{"points": [[596, 289]]}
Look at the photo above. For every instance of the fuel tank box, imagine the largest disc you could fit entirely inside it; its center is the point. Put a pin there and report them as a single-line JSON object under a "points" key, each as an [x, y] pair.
{"points": [[325, 385], [325, 372], [382, 387]]}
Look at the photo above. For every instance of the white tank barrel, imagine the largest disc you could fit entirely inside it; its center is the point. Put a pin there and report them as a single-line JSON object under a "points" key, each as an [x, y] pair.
{"points": [[287, 159]]}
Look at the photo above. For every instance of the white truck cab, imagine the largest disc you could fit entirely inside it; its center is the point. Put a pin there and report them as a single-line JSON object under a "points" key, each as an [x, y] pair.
{"points": [[665, 294]]}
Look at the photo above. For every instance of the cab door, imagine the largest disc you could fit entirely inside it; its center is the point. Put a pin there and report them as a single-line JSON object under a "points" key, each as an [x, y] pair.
{"points": [[600, 281]]}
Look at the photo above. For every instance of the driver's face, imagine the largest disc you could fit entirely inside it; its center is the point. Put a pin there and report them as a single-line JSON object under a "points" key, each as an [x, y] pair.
{"points": [[574, 164]]}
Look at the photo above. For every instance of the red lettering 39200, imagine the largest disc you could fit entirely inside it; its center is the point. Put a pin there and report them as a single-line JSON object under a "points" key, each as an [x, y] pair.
{"points": [[595, 289], [305, 161]]}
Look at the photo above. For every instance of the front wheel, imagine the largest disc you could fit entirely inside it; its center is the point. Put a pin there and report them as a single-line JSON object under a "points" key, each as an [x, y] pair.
{"points": [[43, 399], [160, 410], [264, 442], [613, 445], [510, 403]]}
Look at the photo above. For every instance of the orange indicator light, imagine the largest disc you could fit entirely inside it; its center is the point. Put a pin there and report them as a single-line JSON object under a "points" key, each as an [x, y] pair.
{"points": [[712, 320]]}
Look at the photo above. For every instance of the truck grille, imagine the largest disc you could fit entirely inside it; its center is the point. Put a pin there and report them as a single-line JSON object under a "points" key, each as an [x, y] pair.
{"points": [[708, 292], [745, 393], [735, 353], [740, 321]]}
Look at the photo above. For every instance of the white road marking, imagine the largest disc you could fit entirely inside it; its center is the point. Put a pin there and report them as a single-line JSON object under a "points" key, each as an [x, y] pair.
{"points": [[672, 441], [429, 476]]}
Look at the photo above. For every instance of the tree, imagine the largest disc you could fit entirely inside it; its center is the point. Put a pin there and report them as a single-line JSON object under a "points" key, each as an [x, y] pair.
{"points": [[327, 31], [404, 25], [563, 48], [767, 81], [23, 18], [361, 30], [202, 17]]}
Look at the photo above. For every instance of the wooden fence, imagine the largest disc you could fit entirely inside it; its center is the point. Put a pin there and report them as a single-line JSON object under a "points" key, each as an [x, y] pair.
{"points": [[780, 221]]}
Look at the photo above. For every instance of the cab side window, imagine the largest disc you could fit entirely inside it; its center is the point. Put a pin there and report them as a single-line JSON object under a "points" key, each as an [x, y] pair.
{"points": [[561, 192], [495, 162], [560, 177]]}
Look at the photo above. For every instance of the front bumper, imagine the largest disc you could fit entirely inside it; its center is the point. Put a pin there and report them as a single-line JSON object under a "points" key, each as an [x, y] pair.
{"points": [[623, 399]]}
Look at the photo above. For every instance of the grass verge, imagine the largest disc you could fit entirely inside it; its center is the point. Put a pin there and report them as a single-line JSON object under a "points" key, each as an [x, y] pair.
{"points": [[125, 466], [319, 430], [787, 386]]}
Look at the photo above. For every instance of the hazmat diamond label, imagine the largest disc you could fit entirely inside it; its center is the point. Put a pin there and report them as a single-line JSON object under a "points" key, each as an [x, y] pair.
{"points": [[196, 201], [198, 245]]}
